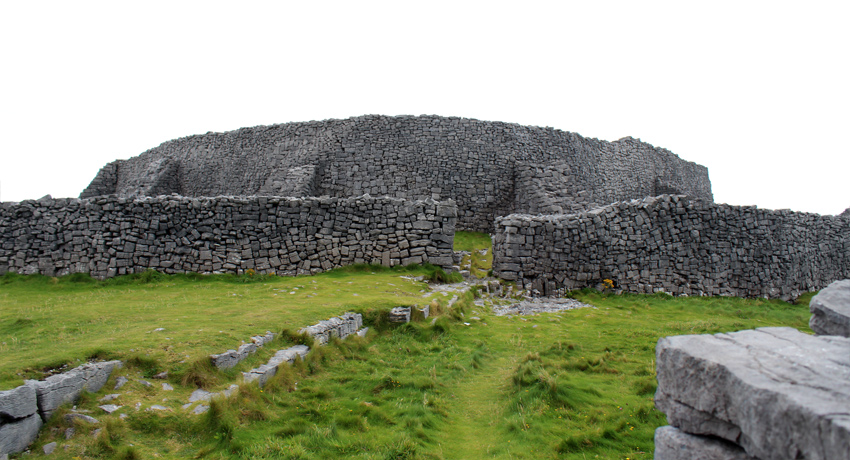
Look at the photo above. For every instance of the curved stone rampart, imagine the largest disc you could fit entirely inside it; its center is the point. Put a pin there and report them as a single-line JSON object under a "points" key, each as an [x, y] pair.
{"points": [[671, 244], [488, 168], [110, 236]]}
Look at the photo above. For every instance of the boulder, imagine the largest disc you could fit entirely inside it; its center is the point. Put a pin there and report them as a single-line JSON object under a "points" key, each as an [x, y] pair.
{"points": [[831, 310], [674, 444], [776, 392], [18, 403]]}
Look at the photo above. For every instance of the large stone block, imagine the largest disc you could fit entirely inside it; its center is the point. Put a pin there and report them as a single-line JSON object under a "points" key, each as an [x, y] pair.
{"points": [[18, 403], [63, 388], [831, 310], [17, 435], [674, 444], [777, 392]]}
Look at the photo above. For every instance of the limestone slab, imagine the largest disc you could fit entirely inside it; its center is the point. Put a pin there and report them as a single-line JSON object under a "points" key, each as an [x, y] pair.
{"points": [[18, 403], [16, 436], [674, 444], [831, 310], [776, 392]]}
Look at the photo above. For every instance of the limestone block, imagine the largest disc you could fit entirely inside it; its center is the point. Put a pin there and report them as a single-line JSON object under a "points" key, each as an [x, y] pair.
{"points": [[831, 310], [776, 392], [17, 435], [674, 444], [63, 388], [400, 315], [225, 360], [18, 403]]}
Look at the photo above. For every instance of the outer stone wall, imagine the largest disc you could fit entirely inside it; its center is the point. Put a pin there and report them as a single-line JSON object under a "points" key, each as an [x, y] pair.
{"points": [[110, 236], [488, 168], [670, 244]]}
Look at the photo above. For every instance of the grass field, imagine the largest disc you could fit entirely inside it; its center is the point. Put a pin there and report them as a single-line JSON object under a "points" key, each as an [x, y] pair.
{"points": [[572, 385]]}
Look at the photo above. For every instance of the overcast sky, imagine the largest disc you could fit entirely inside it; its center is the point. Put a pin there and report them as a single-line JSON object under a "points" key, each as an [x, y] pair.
{"points": [[759, 92]]}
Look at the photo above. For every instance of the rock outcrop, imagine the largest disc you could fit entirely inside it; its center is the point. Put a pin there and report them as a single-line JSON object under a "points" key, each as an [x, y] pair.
{"points": [[776, 392], [831, 310], [674, 444]]}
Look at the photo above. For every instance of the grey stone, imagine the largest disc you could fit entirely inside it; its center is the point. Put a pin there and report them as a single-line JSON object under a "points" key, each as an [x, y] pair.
{"points": [[109, 408], [831, 310], [70, 432], [167, 387], [400, 315], [764, 389], [157, 408], [263, 373], [67, 387], [200, 395], [200, 409], [120, 382], [19, 402], [82, 417], [145, 383], [16, 436], [109, 397], [673, 444], [49, 448]]}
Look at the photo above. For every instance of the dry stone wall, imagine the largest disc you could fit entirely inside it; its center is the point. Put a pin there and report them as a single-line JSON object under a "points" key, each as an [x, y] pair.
{"points": [[671, 244], [488, 168], [108, 236]]}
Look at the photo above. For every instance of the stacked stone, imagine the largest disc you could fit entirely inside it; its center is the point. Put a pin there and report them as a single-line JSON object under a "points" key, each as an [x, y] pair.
{"points": [[675, 245], [489, 168], [400, 315], [769, 393], [231, 358], [263, 373], [340, 327], [25, 409], [108, 236]]}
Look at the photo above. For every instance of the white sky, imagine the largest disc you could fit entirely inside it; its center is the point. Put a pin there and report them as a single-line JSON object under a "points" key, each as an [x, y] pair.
{"points": [[759, 92]]}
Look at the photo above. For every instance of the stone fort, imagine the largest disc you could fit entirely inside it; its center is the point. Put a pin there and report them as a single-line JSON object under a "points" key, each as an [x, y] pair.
{"points": [[566, 211]]}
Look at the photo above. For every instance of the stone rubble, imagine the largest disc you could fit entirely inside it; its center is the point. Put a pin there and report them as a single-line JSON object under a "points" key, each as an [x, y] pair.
{"points": [[263, 373], [399, 315], [539, 305], [231, 358], [340, 327]]}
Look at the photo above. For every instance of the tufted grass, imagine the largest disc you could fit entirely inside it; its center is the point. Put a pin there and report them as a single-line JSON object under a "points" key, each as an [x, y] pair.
{"points": [[573, 385]]}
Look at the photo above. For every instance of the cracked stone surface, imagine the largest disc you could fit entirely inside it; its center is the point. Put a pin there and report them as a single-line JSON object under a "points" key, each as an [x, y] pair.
{"points": [[674, 444], [18, 403], [831, 310], [59, 389], [263, 373], [16, 436], [539, 305], [776, 392]]}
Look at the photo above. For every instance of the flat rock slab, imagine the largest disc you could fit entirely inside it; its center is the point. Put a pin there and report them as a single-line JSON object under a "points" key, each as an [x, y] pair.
{"points": [[776, 392], [18, 403], [831, 310], [674, 444]]}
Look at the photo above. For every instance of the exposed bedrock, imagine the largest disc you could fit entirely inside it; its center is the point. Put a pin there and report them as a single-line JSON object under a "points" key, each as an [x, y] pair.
{"points": [[776, 392], [489, 168], [831, 310], [675, 245], [674, 444]]}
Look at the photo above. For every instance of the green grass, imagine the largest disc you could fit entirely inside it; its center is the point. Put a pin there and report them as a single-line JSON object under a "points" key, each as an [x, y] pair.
{"points": [[474, 243], [573, 385]]}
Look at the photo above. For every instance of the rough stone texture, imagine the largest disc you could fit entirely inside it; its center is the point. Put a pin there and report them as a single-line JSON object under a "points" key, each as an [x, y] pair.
{"points": [[17, 403], [400, 315], [341, 327], [63, 388], [489, 168], [776, 392], [831, 310], [17, 435], [110, 236], [231, 358], [845, 214], [673, 444], [263, 373], [671, 244]]}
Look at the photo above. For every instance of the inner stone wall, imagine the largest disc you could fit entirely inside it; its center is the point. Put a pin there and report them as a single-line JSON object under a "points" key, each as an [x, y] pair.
{"points": [[110, 236], [488, 168], [671, 244]]}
